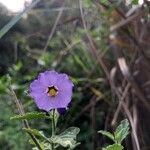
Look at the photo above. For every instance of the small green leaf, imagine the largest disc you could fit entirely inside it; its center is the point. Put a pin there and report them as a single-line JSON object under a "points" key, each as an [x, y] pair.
{"points": [[34, 132], [67, 138], [37, 133], [47, 146], [42, 144], [114, 147], [108, 134], [106, 2], [29, 116], [87, 3], [122, 131], [135, 2]]}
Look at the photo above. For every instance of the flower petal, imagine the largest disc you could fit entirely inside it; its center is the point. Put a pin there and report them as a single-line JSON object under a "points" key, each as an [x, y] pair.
{"points": [[38, 90], [48, 78], [37, 86], [62, 111]]}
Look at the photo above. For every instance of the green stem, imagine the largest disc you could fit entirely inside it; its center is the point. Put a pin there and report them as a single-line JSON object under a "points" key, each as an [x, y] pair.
{"points": [[53, 126]]}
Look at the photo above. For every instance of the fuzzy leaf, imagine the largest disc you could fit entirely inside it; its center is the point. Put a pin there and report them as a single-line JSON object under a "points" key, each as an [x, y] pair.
{"points": [[108, 134], [47, 146], [122, 131], [67, 138], [114, 147], [44, 145], [29, 116], [34, 132]]}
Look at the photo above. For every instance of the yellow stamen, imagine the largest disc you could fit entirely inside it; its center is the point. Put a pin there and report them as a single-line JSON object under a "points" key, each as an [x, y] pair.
{"points": [[52, 91]]}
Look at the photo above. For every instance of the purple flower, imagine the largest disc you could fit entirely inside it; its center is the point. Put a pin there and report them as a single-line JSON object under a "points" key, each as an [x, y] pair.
{"points": [[62, 111], [51, 90]]}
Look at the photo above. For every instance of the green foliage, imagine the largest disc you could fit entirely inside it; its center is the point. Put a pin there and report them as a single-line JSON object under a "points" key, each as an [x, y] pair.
{"points": [[88, 3], [34, 132], [29, 116], [114, 147], [135, 2], [68, 51], [67, 138], [118, 136], [104, 1], [122, 131], [4, 83], [108, 134], [10, 131]]}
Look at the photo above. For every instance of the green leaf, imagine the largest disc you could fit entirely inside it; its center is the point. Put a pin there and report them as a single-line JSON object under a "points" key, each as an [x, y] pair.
{"points": [[37, 133], [108, 134], [122, 131], [67, 138], [42, 144], [87, 3], [29, 116], [106, 2], [34, 132], [135, 2], [47, 146], [114, 147]]}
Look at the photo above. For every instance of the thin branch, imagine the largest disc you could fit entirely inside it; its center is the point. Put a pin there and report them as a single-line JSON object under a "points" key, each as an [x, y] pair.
{"points": [[92, 43], [133, 125], [25, 122], [126, 73], [54, 27], [122, 97], [125, 21], [15, 19]]}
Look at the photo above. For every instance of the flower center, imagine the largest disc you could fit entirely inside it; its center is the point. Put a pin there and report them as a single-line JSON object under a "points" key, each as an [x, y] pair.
{"points": [[52, 91]]}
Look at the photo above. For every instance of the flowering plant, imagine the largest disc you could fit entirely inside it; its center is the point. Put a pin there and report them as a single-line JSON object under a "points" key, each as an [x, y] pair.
{"points": [[51, 92], [118, 136]]}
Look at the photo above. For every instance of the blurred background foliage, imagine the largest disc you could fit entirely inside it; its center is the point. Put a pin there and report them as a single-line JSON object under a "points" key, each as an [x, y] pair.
{"points": [[49, 38]]}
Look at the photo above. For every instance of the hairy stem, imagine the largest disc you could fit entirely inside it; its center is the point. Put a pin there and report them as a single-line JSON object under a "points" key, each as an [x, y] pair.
{"points": [[53, 126]]}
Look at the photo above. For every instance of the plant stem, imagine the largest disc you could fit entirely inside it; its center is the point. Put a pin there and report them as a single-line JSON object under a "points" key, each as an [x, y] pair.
{"points": [[53, 126], [25, 122]]}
